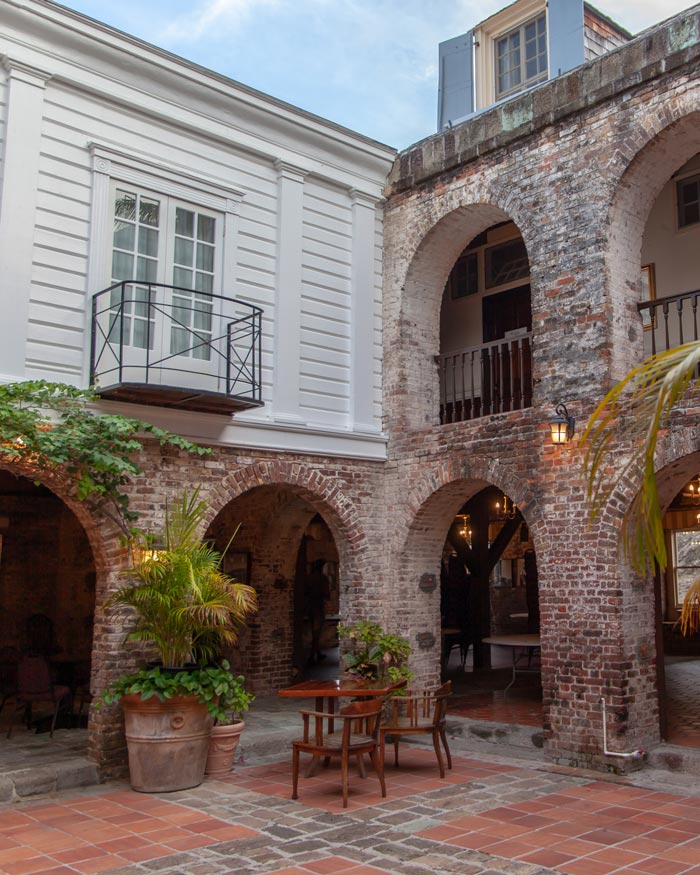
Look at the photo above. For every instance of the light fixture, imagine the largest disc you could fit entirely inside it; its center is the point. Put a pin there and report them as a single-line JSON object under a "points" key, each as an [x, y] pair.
{"points": [[562, 425], [505, 510], [691, 491], [464, 527]]}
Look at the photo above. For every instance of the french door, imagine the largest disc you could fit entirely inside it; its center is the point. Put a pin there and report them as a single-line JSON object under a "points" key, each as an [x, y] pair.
{"points": [[171, 330]]}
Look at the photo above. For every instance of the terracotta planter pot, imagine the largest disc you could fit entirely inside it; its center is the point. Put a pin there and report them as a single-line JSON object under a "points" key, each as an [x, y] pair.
{"points": [[222, 749], [167, 742]]}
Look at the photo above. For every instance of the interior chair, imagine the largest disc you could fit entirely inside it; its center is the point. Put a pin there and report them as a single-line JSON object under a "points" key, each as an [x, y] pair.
{"points": [[419, 712], [359, 735], [451, 640], [34, 687]]}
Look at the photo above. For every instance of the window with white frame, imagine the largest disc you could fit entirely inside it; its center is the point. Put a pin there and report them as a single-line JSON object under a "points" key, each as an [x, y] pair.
{"points": [[521, 57], [686, 561], [688, 201], [156, 239]]}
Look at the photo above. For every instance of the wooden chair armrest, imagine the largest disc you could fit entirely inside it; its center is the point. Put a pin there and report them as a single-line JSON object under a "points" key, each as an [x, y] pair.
{"points": [[319, 714]]}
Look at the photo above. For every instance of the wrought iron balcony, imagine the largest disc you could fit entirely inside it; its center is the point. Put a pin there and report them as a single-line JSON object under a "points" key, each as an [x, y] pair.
{"points": [[480, 380], [174, 347]]}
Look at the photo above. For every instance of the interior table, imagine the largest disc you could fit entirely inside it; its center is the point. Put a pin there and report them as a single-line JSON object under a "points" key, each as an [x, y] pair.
{"points": [[526, 644]]}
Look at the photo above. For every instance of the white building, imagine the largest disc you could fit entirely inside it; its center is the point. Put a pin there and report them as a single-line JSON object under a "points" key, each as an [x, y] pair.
{"points": [[122, 162]]}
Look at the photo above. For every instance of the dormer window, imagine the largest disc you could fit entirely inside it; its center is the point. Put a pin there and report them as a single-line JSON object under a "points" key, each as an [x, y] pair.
{"points": [[521, 57]]}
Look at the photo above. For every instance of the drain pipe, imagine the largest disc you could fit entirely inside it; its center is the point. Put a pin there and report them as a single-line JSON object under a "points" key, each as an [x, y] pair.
{"points": [[633, 755]]}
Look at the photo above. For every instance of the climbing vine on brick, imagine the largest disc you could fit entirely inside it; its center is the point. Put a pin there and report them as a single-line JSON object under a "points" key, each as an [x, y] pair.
{"points": [[54, 428]]}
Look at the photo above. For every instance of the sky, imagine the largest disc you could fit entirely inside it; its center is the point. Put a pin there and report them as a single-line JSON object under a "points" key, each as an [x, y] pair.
{"points": [[370, 65]]}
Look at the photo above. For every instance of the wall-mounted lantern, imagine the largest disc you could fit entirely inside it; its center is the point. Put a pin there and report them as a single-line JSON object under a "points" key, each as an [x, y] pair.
{"points": [[562, 425]]}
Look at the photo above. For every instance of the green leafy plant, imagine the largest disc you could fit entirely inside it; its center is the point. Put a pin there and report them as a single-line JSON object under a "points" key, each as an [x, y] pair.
{"points": [[54, 428], [185, 605], [375, 653], [223, 692]]}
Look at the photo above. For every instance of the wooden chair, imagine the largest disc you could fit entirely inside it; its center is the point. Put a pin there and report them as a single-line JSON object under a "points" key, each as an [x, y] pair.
{"points": [[34, 687], [360, 735], [419, 712]]}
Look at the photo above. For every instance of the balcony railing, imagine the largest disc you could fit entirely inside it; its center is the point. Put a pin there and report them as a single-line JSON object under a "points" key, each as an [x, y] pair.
{"points": [[480, 380], [671, 321], [175, 347]]}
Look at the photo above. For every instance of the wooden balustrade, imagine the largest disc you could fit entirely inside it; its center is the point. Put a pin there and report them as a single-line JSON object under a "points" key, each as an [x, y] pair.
{"points": [[491, 378]]}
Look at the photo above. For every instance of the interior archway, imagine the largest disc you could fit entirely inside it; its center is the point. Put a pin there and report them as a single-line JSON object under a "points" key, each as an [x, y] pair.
{"points": [[47, 605]]}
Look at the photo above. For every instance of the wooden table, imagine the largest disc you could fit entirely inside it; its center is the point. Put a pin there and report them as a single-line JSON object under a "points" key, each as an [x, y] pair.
{"points": [[527, 643], [348, 686]]}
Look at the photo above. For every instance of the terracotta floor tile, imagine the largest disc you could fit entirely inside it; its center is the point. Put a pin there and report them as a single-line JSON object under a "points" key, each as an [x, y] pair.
{"points": [[74, 855], [473, 840], [441, 833], [26, 867], [643, 845], [604, 837], [511, 849], [656, 866], [103, 864], [546, 857], [147, 852], [586, 867], [617, 856]]}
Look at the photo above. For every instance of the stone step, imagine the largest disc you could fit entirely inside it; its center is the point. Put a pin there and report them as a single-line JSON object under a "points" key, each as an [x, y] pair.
{"points": [[21, 784]]}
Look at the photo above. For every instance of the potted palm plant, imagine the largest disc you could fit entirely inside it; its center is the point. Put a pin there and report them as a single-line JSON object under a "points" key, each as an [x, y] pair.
{"points": [[189, 610]]}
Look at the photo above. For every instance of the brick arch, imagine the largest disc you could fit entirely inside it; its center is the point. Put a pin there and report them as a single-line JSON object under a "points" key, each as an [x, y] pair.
{"points": [[279, 500], [109, 555], [442, 227], [437, 497], [656, 144], [324, 494], [423, 523]]}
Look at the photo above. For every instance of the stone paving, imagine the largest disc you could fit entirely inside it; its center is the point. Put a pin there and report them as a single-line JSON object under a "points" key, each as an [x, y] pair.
{"points": [[493, 815]]}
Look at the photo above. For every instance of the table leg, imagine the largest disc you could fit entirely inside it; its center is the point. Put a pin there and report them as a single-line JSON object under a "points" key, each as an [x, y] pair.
{"points": [[512, 680]]}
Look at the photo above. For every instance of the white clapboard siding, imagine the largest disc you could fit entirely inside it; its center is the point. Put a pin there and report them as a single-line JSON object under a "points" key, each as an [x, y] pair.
{"points": [[325, 303], [63, 214]]}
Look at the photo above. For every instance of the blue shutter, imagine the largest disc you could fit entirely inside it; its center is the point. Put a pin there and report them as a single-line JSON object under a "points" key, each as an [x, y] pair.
{"points": [[456, 82], [566, 43]]}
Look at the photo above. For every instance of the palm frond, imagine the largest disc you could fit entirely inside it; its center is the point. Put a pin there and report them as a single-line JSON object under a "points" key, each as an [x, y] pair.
{"points": [[690, 610], [639, 407]]}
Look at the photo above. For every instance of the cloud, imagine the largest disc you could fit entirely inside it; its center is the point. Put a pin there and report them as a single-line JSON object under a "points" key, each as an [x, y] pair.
{"points": [[211, 16]]}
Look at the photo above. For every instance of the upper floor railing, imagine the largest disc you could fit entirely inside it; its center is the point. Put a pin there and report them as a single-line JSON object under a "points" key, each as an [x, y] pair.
{"points": [[176, 347], [670, 322], [491, 378]]}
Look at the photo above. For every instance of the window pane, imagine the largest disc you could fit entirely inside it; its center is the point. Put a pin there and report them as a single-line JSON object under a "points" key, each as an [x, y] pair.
{"points": [[125, 205], [184, 251], [146, 269], [122, 266], [202, 318], [149, 211], [204, 282], [506, 263], [182, 278], [148, 241], [124, 235], [205, 257], [205, 228], [184, 222]]}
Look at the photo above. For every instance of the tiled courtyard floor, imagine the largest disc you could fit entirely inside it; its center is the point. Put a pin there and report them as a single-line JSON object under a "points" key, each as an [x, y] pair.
{"points": [[491, 816]]}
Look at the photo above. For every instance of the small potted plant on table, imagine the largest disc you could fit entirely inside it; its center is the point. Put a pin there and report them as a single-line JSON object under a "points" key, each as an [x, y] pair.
{"points": [[189, 610], [375, 654]]}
